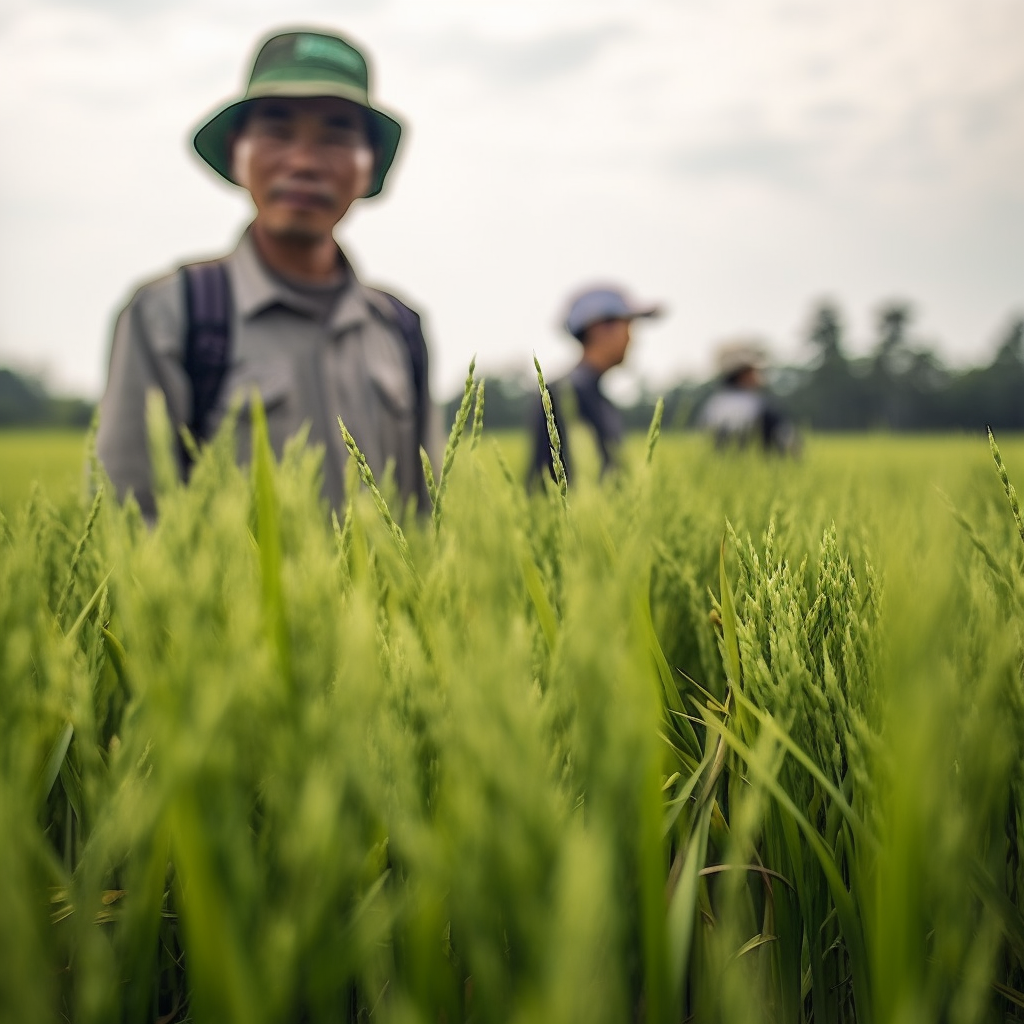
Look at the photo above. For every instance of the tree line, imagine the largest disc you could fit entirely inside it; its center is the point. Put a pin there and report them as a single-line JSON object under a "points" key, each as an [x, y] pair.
{"points": [[901, 385], [26, 402]]}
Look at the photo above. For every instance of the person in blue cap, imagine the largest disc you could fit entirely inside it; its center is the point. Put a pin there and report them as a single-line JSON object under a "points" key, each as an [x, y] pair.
{"points": [[600, 319]]}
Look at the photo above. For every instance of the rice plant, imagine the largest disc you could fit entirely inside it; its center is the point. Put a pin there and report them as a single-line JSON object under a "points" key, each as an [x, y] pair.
{"points": [[717, 739]]}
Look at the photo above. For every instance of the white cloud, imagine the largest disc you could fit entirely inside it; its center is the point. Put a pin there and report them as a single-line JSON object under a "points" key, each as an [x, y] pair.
{"points": [[736, 159]]}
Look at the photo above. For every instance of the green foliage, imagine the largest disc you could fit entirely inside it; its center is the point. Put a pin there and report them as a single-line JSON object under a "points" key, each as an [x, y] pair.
{"points": [[719, 739], [903, 384], [30, 456], [25, 402]]}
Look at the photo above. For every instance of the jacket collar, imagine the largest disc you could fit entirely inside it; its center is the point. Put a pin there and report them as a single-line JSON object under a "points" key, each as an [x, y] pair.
{"points": [[255, 289]]}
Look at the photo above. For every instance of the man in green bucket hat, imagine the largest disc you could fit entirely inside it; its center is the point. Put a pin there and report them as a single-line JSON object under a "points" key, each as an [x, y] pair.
{"points": [[284, 314]]}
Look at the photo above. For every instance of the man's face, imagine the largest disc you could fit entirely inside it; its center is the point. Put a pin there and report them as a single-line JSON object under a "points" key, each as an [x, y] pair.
{"points": [[751, 379], [608, 340], [304, 161]]}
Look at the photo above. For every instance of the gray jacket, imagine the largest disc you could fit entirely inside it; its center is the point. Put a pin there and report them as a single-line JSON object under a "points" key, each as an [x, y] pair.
{"points": [[355, 365]]}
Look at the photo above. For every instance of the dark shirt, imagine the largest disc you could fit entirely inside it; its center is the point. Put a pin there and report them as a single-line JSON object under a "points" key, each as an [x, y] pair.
{"points": [[580, 389]]}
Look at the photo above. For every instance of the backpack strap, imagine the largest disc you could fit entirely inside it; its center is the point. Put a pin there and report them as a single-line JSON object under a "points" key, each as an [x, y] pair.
{"points": [[207, 340], [208, 347]]}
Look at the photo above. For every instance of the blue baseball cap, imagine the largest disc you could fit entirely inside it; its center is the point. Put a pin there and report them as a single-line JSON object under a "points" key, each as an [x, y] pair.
{"points": [[608, 303]]}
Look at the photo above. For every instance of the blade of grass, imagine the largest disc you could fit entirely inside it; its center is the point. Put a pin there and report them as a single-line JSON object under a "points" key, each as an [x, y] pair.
{"points": [[268, 536], [54, 759]]}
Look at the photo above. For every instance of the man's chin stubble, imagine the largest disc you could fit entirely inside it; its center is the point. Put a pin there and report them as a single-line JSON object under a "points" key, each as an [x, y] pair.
{"points": [[298, 234]]}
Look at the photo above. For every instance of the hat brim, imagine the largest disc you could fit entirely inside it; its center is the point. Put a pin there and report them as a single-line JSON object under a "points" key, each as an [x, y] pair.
{"points": [[632, 313], [211, 140], [644, 312]]}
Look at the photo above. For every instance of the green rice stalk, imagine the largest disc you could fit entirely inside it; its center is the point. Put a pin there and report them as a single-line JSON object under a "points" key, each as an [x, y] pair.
{"points": [[651, 866], [461, 418], [555, 441], [140, 932], [478, 415], [95, 473], [1011, 919], [69, 584], [189, 443], [54, 759], [343, 544], [118, 656], [90, 606], [755, 943], [681, 800], [221, 978], [839, 801], [654, 431], [163, 459], [71, 781], [730, 644], [506, 470], [1000, 576], [546, 615], [269, 537], [753, 869], [673, 702], [1011, 493], [428, 476], [682, 907], [339, 537], [366, 475], [846, 908], [1011, 994]]}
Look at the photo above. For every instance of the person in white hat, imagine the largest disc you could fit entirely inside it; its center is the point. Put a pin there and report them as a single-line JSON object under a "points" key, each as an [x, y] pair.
{"points": [[740, 413], [600, 319]]}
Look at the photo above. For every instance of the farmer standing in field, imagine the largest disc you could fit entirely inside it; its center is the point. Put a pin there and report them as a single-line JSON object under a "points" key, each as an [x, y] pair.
{"points": [[600, 319], [740, 412], [284, 313]]}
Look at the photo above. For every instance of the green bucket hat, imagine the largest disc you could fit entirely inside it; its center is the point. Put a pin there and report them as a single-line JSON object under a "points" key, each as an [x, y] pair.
{"points": [[302, 63]]}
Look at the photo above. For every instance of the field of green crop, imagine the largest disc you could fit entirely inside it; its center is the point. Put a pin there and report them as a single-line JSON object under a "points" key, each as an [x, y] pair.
{"points": [[53, 458], [723, 739]]}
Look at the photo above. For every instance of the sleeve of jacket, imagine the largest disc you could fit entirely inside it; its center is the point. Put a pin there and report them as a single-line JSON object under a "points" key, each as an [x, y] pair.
{"points": [[146, 354]]}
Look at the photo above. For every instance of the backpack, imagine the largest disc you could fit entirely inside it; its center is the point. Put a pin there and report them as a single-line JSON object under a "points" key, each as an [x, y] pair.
{"points": [[208, 345]]}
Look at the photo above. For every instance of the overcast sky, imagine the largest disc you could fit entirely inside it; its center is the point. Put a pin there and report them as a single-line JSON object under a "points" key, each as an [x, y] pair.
{"points": [[735, 159]]}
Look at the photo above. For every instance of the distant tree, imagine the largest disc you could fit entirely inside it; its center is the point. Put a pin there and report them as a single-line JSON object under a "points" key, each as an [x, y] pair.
{"points": [[888, 398], [892, 350], [992, 396], [22, 400], [1011, 351], [25, 402], [828, 396], [827, 335]]}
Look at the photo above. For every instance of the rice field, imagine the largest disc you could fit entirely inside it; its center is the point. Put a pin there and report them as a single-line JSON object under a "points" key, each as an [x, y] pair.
{"points": [[55, 459], [722, 739]]}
